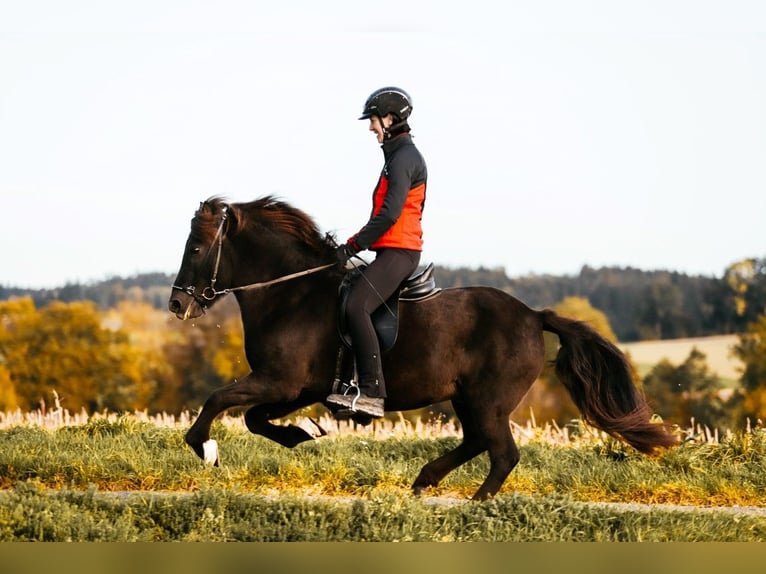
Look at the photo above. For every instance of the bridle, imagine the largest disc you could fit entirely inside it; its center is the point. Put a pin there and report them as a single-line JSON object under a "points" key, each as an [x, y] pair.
{"points": [[209, 293]]}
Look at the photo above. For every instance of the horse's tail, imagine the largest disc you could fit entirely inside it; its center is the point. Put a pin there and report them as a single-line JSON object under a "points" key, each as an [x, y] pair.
{"points": [[599, 379]]}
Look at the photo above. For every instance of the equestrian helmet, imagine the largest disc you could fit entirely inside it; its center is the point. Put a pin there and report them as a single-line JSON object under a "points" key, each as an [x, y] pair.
{"points": [[388, 100]]}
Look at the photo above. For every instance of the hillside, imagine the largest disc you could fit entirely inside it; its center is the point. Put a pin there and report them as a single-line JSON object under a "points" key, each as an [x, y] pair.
{"points": [[646, 354]]}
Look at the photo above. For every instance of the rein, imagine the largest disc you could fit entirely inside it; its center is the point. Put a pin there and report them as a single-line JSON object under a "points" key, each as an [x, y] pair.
{"points": [[210, 293], [273, 281]]}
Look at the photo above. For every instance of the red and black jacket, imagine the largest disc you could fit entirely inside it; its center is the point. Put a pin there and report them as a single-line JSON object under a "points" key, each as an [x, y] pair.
{"points": [[398, 200]]}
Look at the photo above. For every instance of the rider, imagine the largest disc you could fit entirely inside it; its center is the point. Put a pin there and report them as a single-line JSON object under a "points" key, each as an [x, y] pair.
{"points": [[393, 231]]}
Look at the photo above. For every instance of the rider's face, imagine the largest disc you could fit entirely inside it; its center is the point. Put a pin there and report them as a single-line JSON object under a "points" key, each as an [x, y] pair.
{"points": [[377, 124]]}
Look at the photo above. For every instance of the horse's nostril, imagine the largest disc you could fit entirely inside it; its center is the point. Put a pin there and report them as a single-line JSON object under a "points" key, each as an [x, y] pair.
{"points": [[174, 305]]}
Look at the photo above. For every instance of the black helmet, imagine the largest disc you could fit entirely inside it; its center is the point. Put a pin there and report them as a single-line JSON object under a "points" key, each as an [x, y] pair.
{"points": [[388, 100]]}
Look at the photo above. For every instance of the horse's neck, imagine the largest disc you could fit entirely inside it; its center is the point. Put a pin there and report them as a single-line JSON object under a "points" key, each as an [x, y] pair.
{"points": [[252, 271], [288, 298]]}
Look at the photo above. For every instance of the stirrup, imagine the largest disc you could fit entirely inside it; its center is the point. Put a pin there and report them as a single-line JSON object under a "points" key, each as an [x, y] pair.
{"points": [[353, 404], [353, 386]]}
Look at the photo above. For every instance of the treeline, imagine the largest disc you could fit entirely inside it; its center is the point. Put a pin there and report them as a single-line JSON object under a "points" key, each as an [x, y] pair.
{"points": [[643, 305], [113, 345], [151, 288], [640, 305]]}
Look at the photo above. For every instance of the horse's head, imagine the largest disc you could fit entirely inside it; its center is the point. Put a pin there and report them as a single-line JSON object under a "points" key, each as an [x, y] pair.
{"points": [[202, 267], [256, 241]]}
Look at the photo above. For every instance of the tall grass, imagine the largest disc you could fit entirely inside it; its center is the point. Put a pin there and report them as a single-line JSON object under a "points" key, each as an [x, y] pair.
{"points": [[131, 477], [139, 451]]}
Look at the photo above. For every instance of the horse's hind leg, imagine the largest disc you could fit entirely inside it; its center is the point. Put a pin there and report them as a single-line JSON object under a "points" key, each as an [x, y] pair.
{"points": [[433, 472], [503, 453], [487, 430]]}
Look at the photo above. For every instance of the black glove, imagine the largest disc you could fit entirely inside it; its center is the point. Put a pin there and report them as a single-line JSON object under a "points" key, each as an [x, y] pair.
{"points": [[344, 253]]}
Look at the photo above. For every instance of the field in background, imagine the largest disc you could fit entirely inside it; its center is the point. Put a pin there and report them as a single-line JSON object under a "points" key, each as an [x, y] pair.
{"points": [[646, 354]]}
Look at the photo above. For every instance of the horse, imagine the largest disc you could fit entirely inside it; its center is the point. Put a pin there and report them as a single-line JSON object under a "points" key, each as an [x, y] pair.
{"points": [[478, 347]]}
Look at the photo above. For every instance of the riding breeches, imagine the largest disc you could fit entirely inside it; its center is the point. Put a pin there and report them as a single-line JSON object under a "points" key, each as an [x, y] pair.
{"points": [[379, 280]]}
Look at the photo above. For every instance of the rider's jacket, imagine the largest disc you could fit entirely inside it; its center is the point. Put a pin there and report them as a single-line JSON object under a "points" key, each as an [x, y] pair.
{"points": [[398, 200]]}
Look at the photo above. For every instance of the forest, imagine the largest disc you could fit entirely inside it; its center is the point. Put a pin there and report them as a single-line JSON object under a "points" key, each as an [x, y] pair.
{"points": [[111, 345]]}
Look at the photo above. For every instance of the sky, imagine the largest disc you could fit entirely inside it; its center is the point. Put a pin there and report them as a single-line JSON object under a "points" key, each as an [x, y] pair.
{"points": [[557, 134]]}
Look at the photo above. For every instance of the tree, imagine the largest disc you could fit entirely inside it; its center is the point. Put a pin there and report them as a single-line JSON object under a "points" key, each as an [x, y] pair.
{"points": [[581, 309], [12, 312], [660, 308], [688, 392], [65, 348], [751, 350], [9, 401]]}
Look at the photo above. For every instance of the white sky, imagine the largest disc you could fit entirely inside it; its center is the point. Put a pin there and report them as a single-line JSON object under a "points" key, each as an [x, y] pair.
{"points": [[557, 133]]}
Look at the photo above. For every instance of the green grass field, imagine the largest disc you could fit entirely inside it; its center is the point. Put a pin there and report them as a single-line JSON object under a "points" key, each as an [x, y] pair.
{"points": [[125, 477]]}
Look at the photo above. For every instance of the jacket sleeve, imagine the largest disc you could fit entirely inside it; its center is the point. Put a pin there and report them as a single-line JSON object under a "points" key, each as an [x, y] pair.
{"points": [[399, 183]]}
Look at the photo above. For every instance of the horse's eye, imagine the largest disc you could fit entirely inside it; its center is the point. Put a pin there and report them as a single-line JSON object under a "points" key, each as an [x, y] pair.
{"points": [[195, 250]]}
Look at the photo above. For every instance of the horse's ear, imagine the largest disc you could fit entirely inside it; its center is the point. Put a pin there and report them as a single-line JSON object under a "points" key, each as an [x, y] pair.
{"points": [[205, 207], [234, 216]]}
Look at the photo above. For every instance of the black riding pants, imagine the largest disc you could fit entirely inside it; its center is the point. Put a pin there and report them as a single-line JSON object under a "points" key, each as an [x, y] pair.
{"points": [[380, 280]]}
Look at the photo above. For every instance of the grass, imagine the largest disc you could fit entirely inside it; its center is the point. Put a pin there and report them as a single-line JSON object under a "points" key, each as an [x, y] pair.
{"points": [[30, 513], [130, 453], [131, 477]]}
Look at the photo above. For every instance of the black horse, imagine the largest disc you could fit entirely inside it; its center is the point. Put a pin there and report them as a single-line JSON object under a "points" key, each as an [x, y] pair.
{"points": [[478, 347]]}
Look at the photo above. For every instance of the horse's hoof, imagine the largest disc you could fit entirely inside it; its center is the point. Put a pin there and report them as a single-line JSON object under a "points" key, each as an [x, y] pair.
{"points": [[210, 452]]}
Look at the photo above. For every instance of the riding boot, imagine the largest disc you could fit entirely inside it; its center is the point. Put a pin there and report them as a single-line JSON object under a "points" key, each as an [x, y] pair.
{"points": [[370, 375]]}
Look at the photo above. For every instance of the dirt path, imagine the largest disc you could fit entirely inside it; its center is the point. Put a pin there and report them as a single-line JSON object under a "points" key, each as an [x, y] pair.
{"points": [[452, 501]]}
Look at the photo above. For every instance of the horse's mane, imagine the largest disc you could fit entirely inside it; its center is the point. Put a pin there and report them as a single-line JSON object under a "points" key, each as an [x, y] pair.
{"points": [[271, 213]]}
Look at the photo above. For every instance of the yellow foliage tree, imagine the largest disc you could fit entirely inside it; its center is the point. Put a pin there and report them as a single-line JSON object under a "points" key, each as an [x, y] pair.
{"points": [[66, 348], [8, 399], [738, 277], [12, 312]]}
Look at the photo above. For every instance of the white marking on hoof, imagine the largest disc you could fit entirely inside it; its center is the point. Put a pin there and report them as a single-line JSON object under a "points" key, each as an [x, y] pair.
{"points": [[210, 450]]}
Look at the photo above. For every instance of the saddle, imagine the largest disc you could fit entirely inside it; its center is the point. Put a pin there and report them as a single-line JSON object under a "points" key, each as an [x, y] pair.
{"points": [[385, 318]]}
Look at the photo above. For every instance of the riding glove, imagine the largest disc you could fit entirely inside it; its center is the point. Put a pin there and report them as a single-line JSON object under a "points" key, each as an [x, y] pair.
{"points": [[344, 253]]}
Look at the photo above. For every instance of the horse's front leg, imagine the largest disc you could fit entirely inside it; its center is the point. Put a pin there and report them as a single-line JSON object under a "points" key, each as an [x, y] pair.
{"points": [[258, 421], [239, 393]]}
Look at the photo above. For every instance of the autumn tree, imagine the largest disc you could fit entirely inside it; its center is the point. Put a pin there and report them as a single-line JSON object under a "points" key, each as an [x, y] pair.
{"points": [[9, 401], [65, 348], [751, 350], [12, 313]]}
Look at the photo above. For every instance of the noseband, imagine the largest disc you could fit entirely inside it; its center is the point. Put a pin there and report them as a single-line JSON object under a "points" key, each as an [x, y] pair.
{"points": [[209, 293]]}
